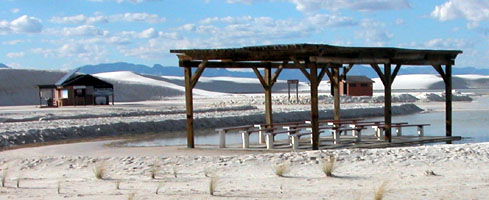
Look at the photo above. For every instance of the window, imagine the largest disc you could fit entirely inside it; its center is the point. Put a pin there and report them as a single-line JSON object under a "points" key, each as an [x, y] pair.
{"points": [[64, 94], [353, 85], [364, 85]]}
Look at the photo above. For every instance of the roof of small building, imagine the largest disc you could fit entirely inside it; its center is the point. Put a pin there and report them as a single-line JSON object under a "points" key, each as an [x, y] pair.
{"points": [[358, 79]]}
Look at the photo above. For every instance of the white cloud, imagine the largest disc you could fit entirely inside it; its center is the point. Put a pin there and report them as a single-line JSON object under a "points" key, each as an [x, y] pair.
{"points": [[373, 33], [4, 27], [138, 17], [12, 42], [330, 20], [363, 5], [474, 11], [80, 19], [130, 1], [125, 17], [14, 10], [16, 54], [84, 30], [23, 24], [149, 33], [449, 43]]}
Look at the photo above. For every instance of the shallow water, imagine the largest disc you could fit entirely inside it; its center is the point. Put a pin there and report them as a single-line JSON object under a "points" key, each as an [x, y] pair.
{"points": [[472, 123]]}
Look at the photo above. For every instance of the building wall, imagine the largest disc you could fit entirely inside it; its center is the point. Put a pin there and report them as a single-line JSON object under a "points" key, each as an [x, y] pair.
{"points": [[356, 89], [359, 89]]}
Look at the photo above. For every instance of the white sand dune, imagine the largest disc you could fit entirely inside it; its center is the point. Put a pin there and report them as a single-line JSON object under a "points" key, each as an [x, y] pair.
{"points": [[19, 86], [432, 81]]}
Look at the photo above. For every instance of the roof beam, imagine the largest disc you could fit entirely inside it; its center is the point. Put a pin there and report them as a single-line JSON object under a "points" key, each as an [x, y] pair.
{"points": [[248, 65]]}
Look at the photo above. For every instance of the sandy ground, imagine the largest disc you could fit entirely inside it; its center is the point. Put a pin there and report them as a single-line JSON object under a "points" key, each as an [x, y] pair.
{"points": [[454, 171], [459, 172]]}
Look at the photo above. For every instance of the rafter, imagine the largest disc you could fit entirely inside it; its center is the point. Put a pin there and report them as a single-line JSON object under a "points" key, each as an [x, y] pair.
{"points": [[302, 68], [198, 73], [260, 77], [394, 74], [439, 69], [379, 72], [277, 73]]}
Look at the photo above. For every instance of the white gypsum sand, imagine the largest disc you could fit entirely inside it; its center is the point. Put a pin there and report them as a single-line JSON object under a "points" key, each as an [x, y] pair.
{"points": [[456, 172]]}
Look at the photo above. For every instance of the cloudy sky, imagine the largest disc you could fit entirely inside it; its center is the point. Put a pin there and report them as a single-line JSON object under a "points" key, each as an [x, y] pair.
{"points": [[62, 34]]}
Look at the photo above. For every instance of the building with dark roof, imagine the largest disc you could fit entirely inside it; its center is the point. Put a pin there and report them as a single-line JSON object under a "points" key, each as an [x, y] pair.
{"points": [[356, 86], [76, 89]]}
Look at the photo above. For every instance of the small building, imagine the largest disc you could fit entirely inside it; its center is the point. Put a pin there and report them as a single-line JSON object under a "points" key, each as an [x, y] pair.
{"points": [[76, 89], [356, 86]]}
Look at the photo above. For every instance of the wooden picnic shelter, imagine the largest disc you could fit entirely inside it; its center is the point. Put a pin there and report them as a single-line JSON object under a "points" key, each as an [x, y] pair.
{"points": [[314, 61]]}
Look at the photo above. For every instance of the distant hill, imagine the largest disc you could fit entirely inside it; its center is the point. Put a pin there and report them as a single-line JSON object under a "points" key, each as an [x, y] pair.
{"points": [[159, 70], [3, 65]]}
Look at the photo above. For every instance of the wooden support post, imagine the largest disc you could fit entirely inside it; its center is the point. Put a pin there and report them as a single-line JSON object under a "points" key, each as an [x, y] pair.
{"points": [[387, 103], [190, 82], [314, 105], [448, 100], [189, 105], [336, 93], [268, 97]]}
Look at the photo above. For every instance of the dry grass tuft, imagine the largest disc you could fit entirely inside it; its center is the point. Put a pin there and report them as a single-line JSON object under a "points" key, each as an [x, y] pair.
{"points": [[281, 168], [175, 171], [17, 181], [4, 177], [381, 191], [212, 185], [154, 169], [131, 196], [328, 165], [160, 185], [59, 187], [100, 170], [118, 184], [208, 172]]}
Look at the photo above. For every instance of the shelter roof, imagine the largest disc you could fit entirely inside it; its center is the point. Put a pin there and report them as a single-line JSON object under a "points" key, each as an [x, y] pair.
{"points": [[322, 53]]}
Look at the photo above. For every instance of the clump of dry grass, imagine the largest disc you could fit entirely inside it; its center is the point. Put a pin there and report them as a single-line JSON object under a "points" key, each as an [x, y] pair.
{"points": [[17, 181], [328, 165], [212, 185], [4, 177], [118, 184], [281, 168], [154, 169], [160, 185], [208, 172], [131, 196], [175, 171], [100, 170], [381, 191], [59, 187]]}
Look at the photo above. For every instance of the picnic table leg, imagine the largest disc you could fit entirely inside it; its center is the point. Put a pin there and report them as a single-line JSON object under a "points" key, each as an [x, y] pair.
{"points": [[358, 135], [269, 140], [336, 136], [420, 131], [295, 141], [380, 132], [222, 139], [399, 131], [246, 139], [261, 134], [354, 131]]}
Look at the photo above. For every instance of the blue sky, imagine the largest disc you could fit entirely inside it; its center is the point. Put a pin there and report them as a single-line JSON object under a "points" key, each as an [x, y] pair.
{"points": [[62, 34]]}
